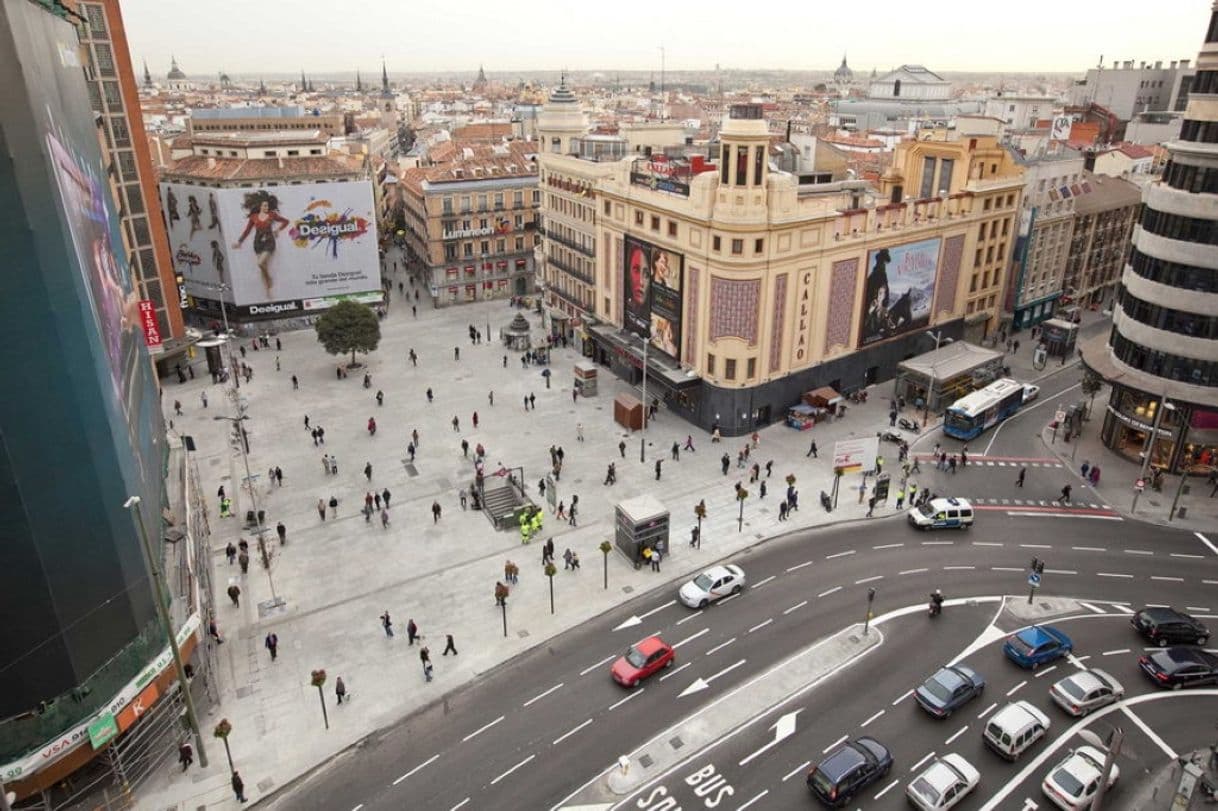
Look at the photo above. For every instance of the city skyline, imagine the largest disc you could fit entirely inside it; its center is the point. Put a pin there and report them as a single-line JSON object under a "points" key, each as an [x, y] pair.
{"points": [[1049, 38]]}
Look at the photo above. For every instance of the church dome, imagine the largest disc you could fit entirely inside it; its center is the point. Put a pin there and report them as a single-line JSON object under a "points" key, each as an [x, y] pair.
{"points": [[843, 73], [174, 71]]}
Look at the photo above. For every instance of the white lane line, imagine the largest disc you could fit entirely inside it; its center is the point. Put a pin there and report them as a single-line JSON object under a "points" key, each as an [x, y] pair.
{"points": [[358, 807], [1016, 687], [959, 568], [514, 768], [937, 543], [1062, 571], [566, 735], [1167, 579], [796, 770], [761, 583], [872, 718], [1113, 574], [886, 789], [955, 735], [637, 692], [1040, 673], [902, 697], [1199, 609], [725, 671], [691, 638], [986, 543], [1138, 552], [986, 711], [1210, 582], [720, 646], [761, 625], [1150, 733], [461, 804], [755, 799], [829, 591], [1206, 541], [1035, 546], [799, 565], [888, 546], [1115, 652], [480, 730], [543, 695], [1005, 569], [868, 579], [1089, 548], [657, 609], [1185, 555], [692, 616], [839, 555], [671, 673], [913, 571], [424, 764], [795, 607], [833, 745], [1157, 605], [914, 767], [730, 597], [588, 670]]}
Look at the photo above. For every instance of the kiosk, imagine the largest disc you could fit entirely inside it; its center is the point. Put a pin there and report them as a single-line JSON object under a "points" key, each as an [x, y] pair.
{"points": [[641, 522]]}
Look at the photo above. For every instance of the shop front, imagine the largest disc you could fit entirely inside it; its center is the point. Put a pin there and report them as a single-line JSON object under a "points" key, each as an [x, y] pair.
{"points": [[1187, 436]]}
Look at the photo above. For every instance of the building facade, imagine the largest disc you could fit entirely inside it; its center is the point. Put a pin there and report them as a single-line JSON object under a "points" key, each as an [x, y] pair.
{"points": [[753, 289], [1161, 358], [1100, 240], [115, 97], [1127, 90]]}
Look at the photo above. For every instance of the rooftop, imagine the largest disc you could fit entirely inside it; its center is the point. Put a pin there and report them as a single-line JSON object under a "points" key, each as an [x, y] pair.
{"points": [[200, 167]]}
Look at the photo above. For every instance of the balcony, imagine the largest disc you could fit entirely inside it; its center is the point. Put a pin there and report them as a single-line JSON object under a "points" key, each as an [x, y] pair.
{"points": [[570, 243], [567, 297], [586, 278]]}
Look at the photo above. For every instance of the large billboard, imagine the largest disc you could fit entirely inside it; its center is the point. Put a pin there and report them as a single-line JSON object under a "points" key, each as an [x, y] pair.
{"points": [[280, 244], [653, 294], [900, 289]]}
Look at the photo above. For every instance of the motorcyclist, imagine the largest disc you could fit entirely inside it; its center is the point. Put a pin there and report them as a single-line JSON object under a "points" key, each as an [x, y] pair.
{"points": [[936, 603]]}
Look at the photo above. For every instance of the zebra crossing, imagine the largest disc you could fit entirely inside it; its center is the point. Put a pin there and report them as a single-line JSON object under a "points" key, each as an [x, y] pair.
{"points": [[1034, 502]]}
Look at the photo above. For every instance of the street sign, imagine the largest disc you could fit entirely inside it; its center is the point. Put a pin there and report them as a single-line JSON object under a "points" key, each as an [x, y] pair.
{"points": [[102, 730], [1033, 579], [1139, 485]]}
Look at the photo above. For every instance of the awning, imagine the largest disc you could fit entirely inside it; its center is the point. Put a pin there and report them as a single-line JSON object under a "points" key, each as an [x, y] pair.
{"points": [[824, 397]]}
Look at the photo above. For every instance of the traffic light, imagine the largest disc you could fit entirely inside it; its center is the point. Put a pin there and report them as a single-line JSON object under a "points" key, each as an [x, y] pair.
{"points": [[1037, 566]]}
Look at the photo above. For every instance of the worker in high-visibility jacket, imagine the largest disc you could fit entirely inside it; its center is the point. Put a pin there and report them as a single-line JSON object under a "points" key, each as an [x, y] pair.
{"points": [[226, 507], [525, 528], [536, 522]]}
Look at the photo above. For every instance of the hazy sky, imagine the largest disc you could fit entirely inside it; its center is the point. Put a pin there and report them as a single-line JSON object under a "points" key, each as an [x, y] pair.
{"points": [[283, 36]]}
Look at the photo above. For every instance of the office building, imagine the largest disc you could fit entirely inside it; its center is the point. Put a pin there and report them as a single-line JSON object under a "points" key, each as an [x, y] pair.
{"points": [[1100, 240], [1126, 90]]}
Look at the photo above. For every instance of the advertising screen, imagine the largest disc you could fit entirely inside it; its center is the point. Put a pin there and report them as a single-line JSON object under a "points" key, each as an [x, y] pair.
{"points": [[293, 244], [653, 294], [900, 289]]}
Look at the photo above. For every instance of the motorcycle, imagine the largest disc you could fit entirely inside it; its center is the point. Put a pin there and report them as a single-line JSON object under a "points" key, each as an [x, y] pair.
{"points": [[890, 436], [908, 425], [935, 607]]}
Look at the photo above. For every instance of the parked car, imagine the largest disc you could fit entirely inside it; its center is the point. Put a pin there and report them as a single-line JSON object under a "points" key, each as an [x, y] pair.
{"points": [[849, 769], [1072, 784], [1036, 645], [1167, 626], [1180, 667], [943, 783], [1086, 691], [644, 658], [714, 584], [1030, 392], [949, 689]]}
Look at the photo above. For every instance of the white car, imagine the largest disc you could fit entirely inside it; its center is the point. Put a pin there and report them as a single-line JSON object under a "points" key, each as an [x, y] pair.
{"points": [[943, 783], [715, 583], [1080, 693], [1030, 392], [1072, 783]]}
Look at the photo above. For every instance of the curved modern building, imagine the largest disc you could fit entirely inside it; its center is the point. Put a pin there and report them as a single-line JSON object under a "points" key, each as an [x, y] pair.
{"points": [[1163, 347]]}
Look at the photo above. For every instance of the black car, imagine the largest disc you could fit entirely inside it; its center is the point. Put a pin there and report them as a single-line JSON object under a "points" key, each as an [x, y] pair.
{"points": [[1180, 667], [1167, 626], [848, 769]]}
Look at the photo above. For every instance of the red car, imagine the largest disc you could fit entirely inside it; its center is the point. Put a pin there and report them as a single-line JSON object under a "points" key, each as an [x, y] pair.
{"points": [[642, 660]]}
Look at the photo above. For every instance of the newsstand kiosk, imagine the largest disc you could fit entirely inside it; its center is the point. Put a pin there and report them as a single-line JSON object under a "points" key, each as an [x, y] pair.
{"points": [[641, 522]]}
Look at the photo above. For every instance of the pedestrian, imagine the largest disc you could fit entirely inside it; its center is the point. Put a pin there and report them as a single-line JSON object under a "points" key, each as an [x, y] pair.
{"points": [[964, 456], [412, 631], [272, 644], [647, 553], [186, 755], [501, 593], [1086, 466], [1094, 478], [566, 559], [321, 436], [449, 645], [892, 418], [368, 471], [526, 402], [456, 424], [1023, 472], [333, 507], [562, 510], [812, 451], [465, 449], [387, 624], [214, 631], [762, 490], [1064, 498], [376, 499], [756, 439], [234, 594], [238, 783], [279, 475], [951, 464], [900, 498], [870, 506], [230, 552], [755, 473], [456, 353], [385, 494], [425, 658], [571, 514], [913, 493], [658, 463], [414, 437], [689, 443], [340, 689], [414, 358], [655, 560], [243, 560], [505, 361], [384, 519], [782, 511], [333, 465], [430, 396], [1017, 346], [380, 398], [490, 397], [435, 512], [315, 439], [793, 499], [461, 496], [203, 397], [321, 508], [579, 431], [611, 474], [574, 392], [769, 468], [715, 435], [725, 462], [533, 401], [621, 448]]}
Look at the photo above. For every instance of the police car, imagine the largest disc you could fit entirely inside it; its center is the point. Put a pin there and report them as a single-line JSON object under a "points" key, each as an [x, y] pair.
{"points": [[943, 513]]}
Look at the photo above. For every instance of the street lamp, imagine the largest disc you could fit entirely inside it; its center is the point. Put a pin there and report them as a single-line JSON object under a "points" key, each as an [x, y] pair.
{"points": [[1110, 749], [154, 567], [1164, 405], [258, 516]]}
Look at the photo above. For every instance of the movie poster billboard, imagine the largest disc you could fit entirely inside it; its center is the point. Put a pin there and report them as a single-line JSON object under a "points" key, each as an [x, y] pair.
{"points": [[900, 289], [653, 294], [290, 245]]}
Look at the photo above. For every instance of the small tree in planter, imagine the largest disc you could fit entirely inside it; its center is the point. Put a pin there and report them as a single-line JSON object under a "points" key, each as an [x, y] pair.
{"points": [[222, 731], [318, 680], [606, 548]]}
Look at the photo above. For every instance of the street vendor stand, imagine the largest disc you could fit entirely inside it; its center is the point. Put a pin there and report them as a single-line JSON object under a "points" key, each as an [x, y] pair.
{"points": [[801, 417]]}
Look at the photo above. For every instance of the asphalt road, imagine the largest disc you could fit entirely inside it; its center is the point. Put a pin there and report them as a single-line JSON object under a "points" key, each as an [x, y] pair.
{"points": [[532, 732]]}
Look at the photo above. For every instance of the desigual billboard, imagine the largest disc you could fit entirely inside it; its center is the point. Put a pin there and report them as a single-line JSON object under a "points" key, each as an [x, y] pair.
{"points": [[278, 244]]}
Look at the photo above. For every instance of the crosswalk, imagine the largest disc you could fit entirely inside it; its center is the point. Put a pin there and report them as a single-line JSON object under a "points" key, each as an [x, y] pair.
{"points": [[1032, 502], [996, 461]]}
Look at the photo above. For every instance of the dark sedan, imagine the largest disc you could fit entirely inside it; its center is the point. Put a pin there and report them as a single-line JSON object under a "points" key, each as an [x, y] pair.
{"points": [[1180, 667], [849, 769], [1167, 626], [949, 689]]}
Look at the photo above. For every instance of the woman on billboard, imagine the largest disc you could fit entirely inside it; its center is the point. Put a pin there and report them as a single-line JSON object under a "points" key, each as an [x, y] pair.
{"points": [[263, 208], [193, 212]]}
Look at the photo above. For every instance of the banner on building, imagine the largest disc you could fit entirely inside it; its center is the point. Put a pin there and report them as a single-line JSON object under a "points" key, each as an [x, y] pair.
{"points": [[900, 289], [653, 294], [152, 330]]}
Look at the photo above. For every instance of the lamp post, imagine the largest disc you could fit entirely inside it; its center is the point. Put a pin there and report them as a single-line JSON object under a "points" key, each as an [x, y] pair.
{"points": [[870, 602], [1110, 749], [258, 517], [1150, 439], [154, 567]]}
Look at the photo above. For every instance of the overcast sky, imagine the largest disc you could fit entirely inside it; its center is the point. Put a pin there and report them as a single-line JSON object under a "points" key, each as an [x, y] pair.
{"points": [[283, 36]]}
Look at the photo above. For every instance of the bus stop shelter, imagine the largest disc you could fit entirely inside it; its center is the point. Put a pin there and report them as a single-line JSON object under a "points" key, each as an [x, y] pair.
{"points": [[936, 379]]}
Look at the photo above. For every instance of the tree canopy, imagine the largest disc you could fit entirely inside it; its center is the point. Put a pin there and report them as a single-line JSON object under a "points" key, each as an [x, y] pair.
{"points": [[349, 327]]}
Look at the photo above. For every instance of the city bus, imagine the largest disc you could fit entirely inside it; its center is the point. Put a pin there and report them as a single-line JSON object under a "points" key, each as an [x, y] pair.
{"points": [[970, 415]]}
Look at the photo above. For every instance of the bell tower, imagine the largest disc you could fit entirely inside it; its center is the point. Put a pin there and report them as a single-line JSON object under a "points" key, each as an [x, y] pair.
{"points": [[744, 143]]}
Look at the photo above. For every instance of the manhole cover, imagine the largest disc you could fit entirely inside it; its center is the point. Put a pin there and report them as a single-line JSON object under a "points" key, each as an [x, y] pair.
{"points": [[676, 743], [646, 761]]}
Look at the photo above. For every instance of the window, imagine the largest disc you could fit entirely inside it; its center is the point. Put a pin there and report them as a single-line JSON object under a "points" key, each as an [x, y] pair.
{"points": [[518, 199], [105, 59], [752, 369], [946, 166], [482, 202], [536, 197], [977, 259], [988, 203], [293, 153], [928, 178], [498, 200], [113, 96], [972, 287], [97, 19], [729, 369], [716, 243], [484, 246], [672, 228], [1002, 250], [981, 232], [482, 223], [655, 223], [710, 364], [501, 246], [742, 165], [724, 163], [1006, 226], [467, 250], [737, 246], [520, 243], [311, 152], [135, 200], [465, 204], [447, 205], [608, 209], [638, 218], [122, 136], [758, 246], [450, 252], [758, 165], [268, 153]]}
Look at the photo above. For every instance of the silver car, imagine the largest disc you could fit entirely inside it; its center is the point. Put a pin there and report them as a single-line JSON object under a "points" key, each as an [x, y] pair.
{"points": [[714, 584], [1086, 691]]}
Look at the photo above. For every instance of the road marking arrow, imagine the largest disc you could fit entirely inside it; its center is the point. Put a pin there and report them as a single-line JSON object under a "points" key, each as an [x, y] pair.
{"points": [[783, 728], [638, 618], [701, 684]]}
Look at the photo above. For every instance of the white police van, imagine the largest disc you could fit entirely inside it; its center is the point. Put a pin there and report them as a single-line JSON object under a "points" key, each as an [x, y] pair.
{"points": [[943, 513]]}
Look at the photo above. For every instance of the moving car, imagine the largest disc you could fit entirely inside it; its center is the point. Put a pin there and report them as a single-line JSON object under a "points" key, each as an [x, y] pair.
{"points": [[1072, 784], [1180, 667], [1036, 645], [848, 769], [943, 513], [949, 689], [1030, 392], [714, 584], [943, 783], [1167, 626], [1085, 691], [641, 660], [1014, 728]]}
